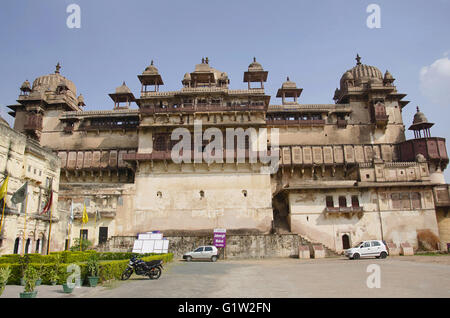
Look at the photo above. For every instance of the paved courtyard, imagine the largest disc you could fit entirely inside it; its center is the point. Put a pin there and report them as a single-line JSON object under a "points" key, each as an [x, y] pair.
{"points": [[417, 276]]}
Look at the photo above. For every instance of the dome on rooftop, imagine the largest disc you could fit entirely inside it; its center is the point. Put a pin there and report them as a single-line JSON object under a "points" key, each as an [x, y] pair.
{"points": [[289, 84], [151, 69], [123, 89], [362, 73], [51, 82], [255, 66], [419, 117]]}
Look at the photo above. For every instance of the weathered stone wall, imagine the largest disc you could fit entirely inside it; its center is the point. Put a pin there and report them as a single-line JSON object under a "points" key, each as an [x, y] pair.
{"points": [[238, 246]]}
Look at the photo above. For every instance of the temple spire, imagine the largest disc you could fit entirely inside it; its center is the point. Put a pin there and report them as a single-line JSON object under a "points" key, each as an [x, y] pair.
{"points": [[358, 59]]}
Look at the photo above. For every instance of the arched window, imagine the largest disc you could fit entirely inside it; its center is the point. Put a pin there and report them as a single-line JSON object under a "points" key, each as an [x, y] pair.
{"points": [[27, 246], [38, 242], [16, 245]]}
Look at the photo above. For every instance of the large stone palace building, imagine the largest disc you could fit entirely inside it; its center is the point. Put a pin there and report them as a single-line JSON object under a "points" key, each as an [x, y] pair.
{"points": [[346, 172]]}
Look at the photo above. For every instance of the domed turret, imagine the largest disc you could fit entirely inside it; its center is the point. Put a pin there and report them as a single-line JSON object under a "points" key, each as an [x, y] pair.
{"points": [[150, 77], [122, 94], [255, 73], [361, 74], [420, 123], [205, 76], [289, 89], [151, 69], [25, 88], [255, 66], [81, 100], [51, 82]]}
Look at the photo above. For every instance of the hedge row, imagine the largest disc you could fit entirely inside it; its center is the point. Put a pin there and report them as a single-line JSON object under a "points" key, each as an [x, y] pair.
{"points": [[68, 257], [107, 269]]}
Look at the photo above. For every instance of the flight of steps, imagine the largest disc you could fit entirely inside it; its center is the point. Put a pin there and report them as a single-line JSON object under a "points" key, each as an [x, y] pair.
{"points": [[328, 252]]}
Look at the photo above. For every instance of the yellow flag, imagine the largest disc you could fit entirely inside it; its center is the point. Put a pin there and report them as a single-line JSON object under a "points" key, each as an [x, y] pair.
{"points": [[4, 188], [85, 215]]}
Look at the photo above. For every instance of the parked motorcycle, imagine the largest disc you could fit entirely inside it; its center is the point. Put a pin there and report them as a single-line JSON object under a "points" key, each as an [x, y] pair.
{"points": [[151, 269]]}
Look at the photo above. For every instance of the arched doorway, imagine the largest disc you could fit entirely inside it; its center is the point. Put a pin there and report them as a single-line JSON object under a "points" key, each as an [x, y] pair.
{"points": [[38, 242], [27, 246], [16, 245], [345, 241]]}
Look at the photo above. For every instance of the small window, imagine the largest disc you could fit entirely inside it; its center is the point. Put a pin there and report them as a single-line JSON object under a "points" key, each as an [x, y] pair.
{"points": [[244, 192], [208, 249], [120, 201], [159, 194], [376, 243], [200, 249], [84, 234], [329, 200], [202, 194], [29, 168], [367, 244]]}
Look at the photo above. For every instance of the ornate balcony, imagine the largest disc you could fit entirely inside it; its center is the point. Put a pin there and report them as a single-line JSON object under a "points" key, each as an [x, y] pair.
{"points": [[432, 148], [33, 122]]}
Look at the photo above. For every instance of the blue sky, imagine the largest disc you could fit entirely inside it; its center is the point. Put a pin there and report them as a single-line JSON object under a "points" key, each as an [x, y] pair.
{"points": [[312, 42]]}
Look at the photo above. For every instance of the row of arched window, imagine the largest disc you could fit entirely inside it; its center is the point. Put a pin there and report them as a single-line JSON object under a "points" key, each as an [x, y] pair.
{"points": [[31, 246]]}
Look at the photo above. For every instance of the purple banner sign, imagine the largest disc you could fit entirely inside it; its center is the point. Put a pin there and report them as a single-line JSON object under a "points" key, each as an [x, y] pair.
{"points": [[220, 237]]}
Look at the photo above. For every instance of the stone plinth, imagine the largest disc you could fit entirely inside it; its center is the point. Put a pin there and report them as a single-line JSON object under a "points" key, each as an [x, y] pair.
{"points": [[393, 249], [318, 251], [406, 249], [303, 252]]}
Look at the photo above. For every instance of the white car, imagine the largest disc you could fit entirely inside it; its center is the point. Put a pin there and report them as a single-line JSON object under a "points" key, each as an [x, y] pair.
{"points": [[373, 248], [203, 252]]}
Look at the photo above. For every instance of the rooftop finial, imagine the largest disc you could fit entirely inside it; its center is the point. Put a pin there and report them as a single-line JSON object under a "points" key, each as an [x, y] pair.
{"points": [[203, 60], [123, 83], [58, 67], [254, 59], [358, 59], [417, 109], [151, 63], [207, 60], [287, 78]]}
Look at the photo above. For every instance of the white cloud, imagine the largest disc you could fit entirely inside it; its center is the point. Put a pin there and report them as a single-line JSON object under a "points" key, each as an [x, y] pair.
{"points": [[435, 81]]}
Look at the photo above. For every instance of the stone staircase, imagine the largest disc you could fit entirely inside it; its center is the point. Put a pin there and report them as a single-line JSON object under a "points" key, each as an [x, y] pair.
{"points": [[328, 251]]}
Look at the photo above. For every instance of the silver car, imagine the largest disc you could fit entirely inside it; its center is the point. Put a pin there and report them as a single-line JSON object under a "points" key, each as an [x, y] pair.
{"points": [[203, 252]]}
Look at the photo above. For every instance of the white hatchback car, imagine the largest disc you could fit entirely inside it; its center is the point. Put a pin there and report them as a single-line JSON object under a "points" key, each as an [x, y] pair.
{"points": [[373, 248], [203, 252]]}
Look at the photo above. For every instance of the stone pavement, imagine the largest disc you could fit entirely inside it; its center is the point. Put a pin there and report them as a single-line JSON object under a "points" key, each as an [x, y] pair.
{"points": [[418, 276]]}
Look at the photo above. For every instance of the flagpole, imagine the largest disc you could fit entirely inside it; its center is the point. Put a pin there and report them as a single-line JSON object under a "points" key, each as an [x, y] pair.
{"points": [[50, 227], [3, 212], [81, 233], [25, 225], [70, 224], [4, 203]]}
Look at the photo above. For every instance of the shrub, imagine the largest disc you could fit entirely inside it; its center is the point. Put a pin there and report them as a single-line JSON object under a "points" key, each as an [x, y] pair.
{"points": [[31, 275], [107, 269], [85, 244], [4, 275], [92, 265]]}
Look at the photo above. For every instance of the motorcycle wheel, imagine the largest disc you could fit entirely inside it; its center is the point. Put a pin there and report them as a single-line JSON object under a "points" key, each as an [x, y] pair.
{"points": [[127, 273], [154, 273]]}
